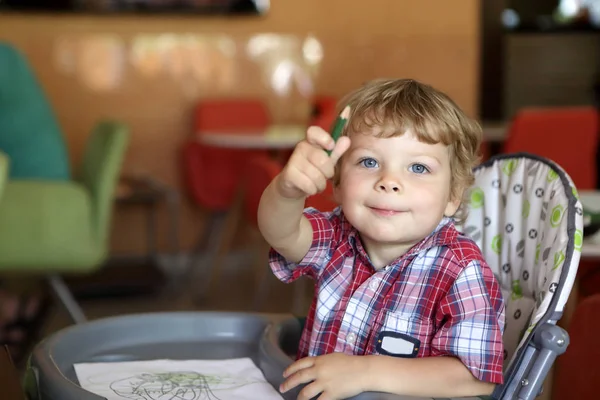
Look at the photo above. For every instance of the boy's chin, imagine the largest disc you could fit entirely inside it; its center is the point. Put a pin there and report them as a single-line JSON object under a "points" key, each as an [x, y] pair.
{"points": [[387, 238]]}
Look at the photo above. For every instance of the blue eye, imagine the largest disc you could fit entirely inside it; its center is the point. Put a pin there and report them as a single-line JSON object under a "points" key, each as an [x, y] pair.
{"points": [[419, 169], [369, 162]]}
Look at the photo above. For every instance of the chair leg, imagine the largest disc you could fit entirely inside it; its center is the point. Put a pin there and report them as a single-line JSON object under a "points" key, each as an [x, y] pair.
{"points": [[230, 229], [66, 298], [202, 253], [206, 255]]}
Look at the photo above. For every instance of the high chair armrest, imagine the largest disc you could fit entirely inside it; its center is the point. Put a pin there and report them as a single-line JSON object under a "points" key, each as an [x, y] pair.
{"points": [[551, 341]]}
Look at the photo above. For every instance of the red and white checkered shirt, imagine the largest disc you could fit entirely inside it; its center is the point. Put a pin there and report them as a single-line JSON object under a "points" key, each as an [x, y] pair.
{"points": [[440, 298]]}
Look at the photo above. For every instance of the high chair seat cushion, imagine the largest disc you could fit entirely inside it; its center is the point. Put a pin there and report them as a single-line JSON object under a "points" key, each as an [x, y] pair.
{"points": [[526, 218]]}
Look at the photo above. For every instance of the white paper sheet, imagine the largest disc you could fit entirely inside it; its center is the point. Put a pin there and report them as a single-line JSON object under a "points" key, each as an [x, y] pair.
{"points": [[232, 379]]}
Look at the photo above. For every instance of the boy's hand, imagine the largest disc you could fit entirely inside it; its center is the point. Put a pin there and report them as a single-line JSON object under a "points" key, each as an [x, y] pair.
{"points": [[334, 376], [309, 167]]}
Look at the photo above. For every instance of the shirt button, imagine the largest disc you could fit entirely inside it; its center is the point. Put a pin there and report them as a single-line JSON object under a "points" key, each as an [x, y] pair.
{"points": [[374, 284], [351, 338]]}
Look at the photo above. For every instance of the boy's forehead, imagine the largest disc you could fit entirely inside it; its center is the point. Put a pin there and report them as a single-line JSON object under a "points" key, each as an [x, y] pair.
{"points": [[378, 123], [390, 130], [375, 128]]}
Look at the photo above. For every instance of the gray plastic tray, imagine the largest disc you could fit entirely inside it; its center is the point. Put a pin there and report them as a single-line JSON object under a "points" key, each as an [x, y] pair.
{"points": [[269, 340], [197, 335]]}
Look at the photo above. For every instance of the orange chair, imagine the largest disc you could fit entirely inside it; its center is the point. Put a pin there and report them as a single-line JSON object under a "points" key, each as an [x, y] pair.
{"points": [[568, 136]]}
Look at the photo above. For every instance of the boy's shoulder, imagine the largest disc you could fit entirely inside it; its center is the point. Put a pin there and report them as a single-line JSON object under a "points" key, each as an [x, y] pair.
{"points": [[462, 251], [465, 248]]}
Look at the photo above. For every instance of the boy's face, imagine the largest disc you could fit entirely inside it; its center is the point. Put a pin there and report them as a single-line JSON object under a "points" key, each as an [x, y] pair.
{"points": [[395, 190]]}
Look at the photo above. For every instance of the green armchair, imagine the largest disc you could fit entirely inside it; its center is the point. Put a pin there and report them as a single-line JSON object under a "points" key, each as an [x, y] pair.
{"points": [[52, 224]]}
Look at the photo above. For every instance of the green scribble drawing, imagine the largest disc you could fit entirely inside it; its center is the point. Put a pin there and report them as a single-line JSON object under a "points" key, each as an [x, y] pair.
{"points": [[183, 385]]}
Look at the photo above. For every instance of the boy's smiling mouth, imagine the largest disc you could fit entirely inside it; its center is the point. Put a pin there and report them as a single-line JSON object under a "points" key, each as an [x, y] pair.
{"points": [[384, 212]]}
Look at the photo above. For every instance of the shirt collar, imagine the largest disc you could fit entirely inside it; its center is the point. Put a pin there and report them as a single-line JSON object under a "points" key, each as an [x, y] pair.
{"points": [[444, 234]]}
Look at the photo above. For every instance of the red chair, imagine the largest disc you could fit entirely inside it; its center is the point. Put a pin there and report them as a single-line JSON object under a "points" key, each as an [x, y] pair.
{"points": [[324, 104], [260, 171], [226, 115], [213, 176], [485, 151], [568, 136], [576, 372], [323, 201]]}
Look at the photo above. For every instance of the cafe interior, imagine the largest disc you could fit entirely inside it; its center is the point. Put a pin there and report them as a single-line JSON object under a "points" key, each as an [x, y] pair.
{"points": [[141, 204]]}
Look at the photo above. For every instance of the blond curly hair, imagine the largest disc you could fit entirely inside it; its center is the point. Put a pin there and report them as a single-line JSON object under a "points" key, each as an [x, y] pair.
{"points": [[431, 115]]}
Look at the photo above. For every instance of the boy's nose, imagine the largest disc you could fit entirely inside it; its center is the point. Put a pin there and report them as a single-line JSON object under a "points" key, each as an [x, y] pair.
{"points": [[388, 185]]}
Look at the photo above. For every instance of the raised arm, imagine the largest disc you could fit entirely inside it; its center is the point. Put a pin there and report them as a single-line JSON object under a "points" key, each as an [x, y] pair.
{"points": [[280, 218]]}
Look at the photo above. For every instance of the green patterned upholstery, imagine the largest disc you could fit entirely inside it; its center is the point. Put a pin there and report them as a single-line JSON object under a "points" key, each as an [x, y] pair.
{"points": [[526, 217]]}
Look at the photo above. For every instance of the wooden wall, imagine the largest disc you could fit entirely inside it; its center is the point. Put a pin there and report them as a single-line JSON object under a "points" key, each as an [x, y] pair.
{"points": [[430, 40]]}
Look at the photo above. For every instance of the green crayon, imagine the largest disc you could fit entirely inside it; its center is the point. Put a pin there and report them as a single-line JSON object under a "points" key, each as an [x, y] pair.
{"points": [[338, 126]]}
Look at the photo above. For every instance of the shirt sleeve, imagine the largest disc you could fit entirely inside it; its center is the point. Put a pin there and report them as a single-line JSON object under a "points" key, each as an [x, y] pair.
{"points": [[325, 227], [473, 311]]}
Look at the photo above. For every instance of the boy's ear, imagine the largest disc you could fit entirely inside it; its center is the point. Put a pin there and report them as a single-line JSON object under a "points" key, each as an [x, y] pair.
{"points": [[453, 204]]}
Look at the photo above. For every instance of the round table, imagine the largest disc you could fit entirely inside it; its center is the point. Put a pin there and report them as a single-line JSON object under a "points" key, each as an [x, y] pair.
{"points": [[276, 137]]}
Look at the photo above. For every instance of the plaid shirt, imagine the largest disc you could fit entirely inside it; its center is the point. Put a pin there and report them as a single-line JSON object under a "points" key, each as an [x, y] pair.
{"points": [[441, 292]]}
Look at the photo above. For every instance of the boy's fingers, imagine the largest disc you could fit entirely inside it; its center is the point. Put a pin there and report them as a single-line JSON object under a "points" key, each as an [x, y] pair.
{"points": [[305, 362], [319, 137], [304, 182], [341, 146], [319, 159], [315, 175]]}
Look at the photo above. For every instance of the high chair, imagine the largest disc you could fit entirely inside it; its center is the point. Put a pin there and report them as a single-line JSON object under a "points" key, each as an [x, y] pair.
{"points": [[525, 216]]}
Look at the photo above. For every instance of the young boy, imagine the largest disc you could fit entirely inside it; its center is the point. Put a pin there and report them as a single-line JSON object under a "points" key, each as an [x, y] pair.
{"points": [[404, 303]]}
